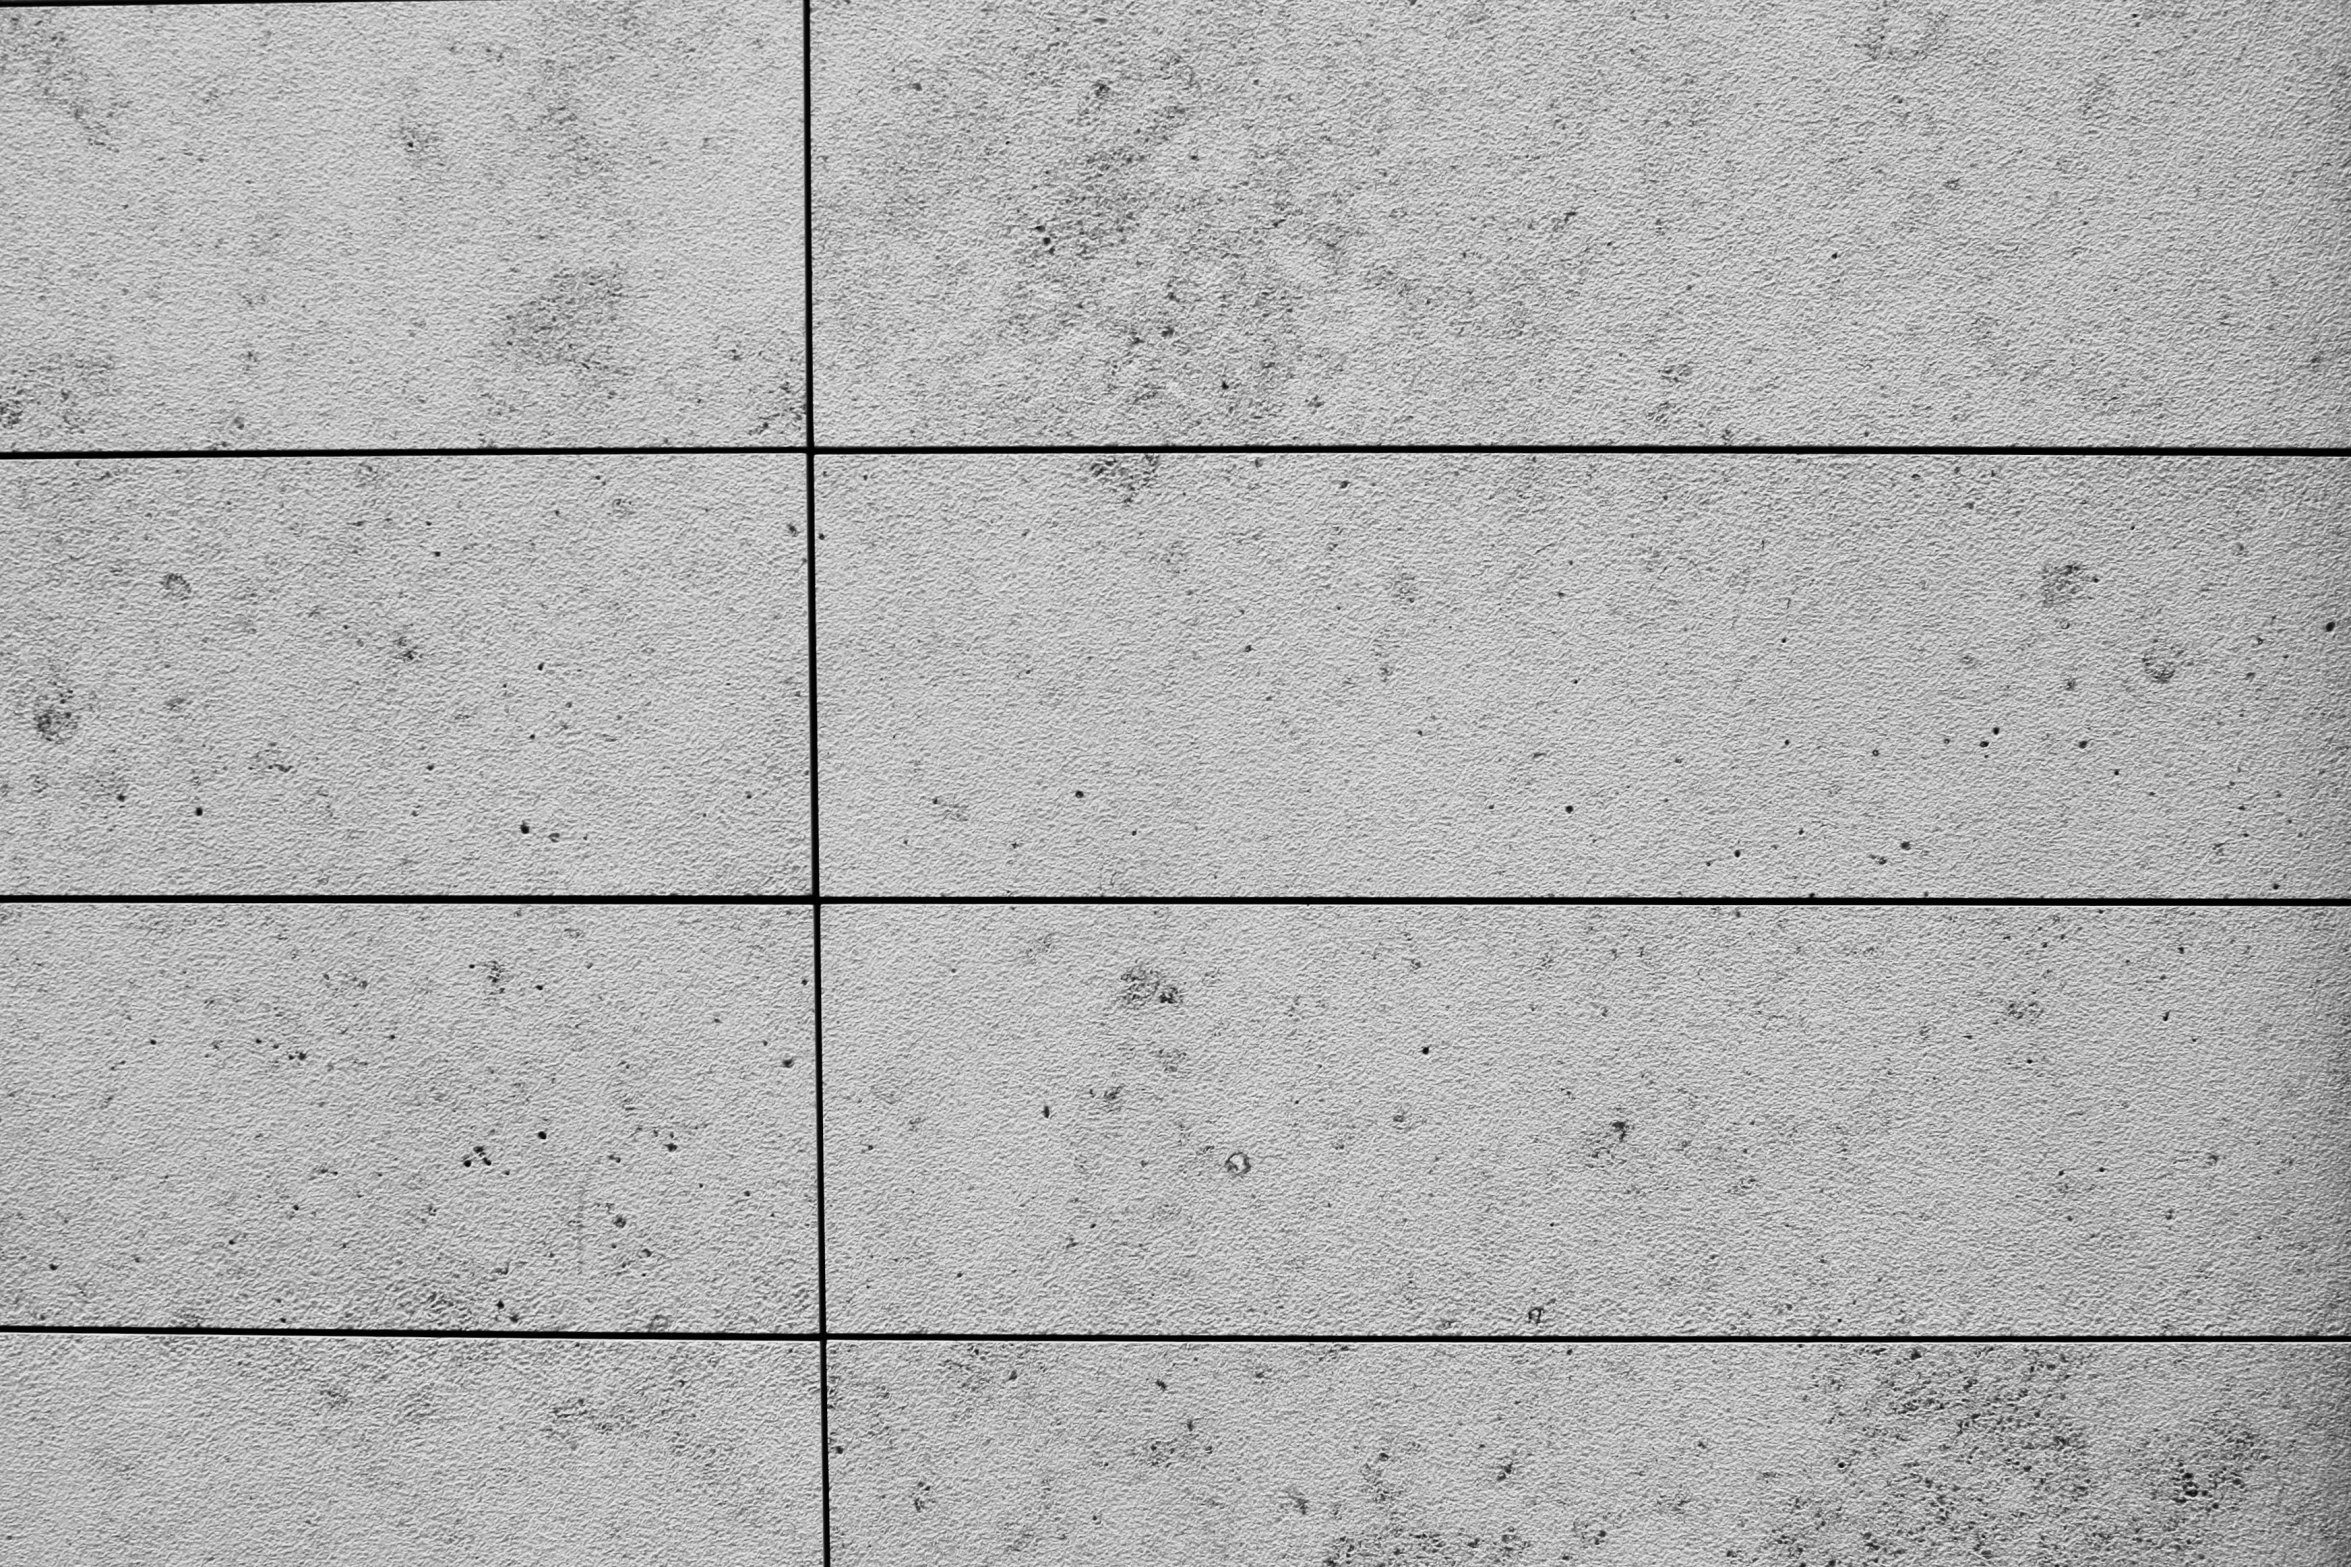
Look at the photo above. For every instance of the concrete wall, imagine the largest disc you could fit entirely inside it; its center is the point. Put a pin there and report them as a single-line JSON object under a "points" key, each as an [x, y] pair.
{"points": [[320, 1452], [448, 1117], [404, 675], [562, 222], [1425, 1455], [412, 1150], [1844, 221], [1568, 1121], [1573, 676]]}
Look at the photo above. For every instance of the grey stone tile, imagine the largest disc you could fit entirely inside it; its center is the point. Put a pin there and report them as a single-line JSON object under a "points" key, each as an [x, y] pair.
{"points": [[1876, 221], [442, 1117], [311, 1452], [1576, 1121], [1419, 1455], [416, 674], [1418, 676], [565, 222]]}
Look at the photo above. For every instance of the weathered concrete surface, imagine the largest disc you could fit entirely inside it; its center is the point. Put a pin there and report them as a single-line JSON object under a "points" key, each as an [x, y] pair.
{"points": [[1425, 1455], [1575, 1121], [325, 1452], [496, 674], [452, 1117], [1842, 221], [1417, 676], [565, 222]]}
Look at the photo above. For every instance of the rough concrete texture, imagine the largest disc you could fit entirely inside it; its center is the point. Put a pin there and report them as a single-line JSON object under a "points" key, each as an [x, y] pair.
{"points": [[2003, 1455], [566, 222], [500, 674], [1575, 1121], [321, 1452], [449, 1117], [1143, 221], [1698, 674]]}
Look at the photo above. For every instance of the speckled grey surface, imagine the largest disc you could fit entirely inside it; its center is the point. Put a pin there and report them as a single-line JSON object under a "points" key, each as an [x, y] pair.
{"points": [[448, 1117], [562, 222], [413, 674], [1417, 676], [320, 1148], [1844, 221], [1424, 1455], [1574, 1121], [321, 1452]]}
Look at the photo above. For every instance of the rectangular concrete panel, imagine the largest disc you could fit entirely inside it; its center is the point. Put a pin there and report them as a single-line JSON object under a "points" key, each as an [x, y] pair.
{"points": [[1563, 1121], [449, 1117], [1722, 674], [1419, 1455], [1828, 221], [404, 675], [403, 1453], [563, 222]]}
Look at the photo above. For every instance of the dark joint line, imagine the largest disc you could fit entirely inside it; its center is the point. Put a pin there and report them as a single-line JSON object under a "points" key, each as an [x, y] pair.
{"points": [[1284, 900], [1065, 449], [863, 1336]]}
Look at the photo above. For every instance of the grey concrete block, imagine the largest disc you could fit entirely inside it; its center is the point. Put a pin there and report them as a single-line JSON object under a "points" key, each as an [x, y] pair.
{"points": [[446, 1117], [1417, 676], [566, 222], [1867, 221], [2000, 1455], [1564, 1121], [495, 674], [320, 1452]]}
